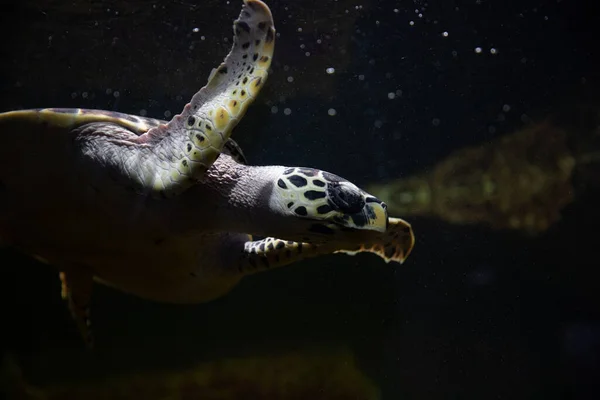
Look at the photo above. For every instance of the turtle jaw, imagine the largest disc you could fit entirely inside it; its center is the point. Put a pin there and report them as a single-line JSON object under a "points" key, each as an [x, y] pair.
{"points": [[373, 216]]}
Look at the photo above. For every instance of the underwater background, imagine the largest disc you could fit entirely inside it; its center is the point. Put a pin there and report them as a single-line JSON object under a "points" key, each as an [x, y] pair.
{"points": [[476, 121]]}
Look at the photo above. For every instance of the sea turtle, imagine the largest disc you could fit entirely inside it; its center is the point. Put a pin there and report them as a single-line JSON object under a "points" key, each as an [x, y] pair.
{"points": [[166, 210]]}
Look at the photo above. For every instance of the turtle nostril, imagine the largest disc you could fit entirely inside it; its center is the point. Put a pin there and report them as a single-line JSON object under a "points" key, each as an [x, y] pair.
{"points": [[345, 198]]}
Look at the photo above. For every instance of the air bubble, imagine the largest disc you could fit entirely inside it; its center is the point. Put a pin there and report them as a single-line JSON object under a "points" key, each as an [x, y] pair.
{"points": [[143, 112], [506, 108], [274, 110], [445, 34], [116, 93], [478, 50], [391, 95], [435, 122], [493, 51], [378, 123], [84, 95], [167, 114], [290, 79], [287, 111], [330, 70], [196, 30], [331, 112]]}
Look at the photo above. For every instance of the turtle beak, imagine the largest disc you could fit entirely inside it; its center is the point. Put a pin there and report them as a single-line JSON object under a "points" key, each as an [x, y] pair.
{"points": [[373, 216], [363, 211]]}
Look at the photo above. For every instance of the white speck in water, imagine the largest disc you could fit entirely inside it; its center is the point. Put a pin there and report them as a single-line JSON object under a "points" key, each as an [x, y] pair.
{"points": [[493, 51], [378, 123], [492, 129], [398, 92], [287, 111], [307, 54], [330, 70], [506, 108], [108, 91], [116, 93], [274, 110], [319, 41], [445, 34], [167, 114], [435, 122], [302, 46], [196, 30], [420, 15], [143, 112], [478, 50], [454, 53], [331, 112], [376, 22], [202, 37], [73, 95], [84, 95], [286, 67], [391, 95], [290, 79], [361, 77], [411, 23], [299, 29], [396, 10]]}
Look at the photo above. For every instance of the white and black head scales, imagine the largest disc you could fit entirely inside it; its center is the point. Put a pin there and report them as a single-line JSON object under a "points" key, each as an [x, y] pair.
{"points": [[331, 202]]}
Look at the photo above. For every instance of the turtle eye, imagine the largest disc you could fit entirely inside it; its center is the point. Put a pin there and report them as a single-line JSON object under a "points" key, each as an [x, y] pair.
{"points": [[345, 198]]}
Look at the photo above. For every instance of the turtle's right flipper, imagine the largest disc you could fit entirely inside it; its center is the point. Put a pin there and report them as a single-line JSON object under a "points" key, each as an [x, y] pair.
{"points": [[77, 291], [395, 244], [194, 139]]}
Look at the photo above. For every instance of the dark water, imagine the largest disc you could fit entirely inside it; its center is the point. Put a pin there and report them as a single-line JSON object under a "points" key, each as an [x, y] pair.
{"points": [[473, 313]]}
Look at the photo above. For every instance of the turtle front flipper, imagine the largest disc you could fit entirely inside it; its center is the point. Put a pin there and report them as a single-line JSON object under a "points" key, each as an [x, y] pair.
{"points": [[395, 244], [189, 144], [77, 291]]}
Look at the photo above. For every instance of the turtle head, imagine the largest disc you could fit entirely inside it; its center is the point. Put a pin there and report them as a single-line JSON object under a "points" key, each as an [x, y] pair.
{"points": [[329, 206]]}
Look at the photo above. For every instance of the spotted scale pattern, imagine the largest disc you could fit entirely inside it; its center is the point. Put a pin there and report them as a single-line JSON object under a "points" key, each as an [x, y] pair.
{"points": [[272, 252], [192, 140], [304, 189], [393, 245]]}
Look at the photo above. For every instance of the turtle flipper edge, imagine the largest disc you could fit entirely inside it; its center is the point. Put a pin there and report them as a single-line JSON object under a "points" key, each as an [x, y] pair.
{"points": [[77, 291], [395, 244], [194, 138]]}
